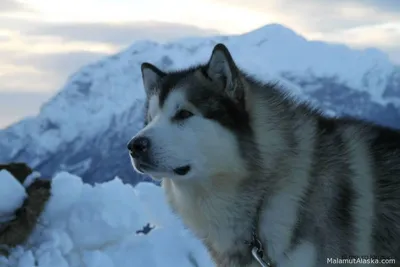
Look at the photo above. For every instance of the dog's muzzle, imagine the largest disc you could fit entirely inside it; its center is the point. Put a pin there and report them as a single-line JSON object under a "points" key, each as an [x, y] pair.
{"points": [[139, 147]]}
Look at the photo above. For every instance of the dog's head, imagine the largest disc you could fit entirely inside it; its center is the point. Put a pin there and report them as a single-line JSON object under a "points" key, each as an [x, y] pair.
{"points": [[196, 121]]}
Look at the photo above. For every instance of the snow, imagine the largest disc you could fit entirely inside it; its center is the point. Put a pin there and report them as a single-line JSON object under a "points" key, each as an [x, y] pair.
{"points": [[12, 195], [95, 226], [31, 178]]}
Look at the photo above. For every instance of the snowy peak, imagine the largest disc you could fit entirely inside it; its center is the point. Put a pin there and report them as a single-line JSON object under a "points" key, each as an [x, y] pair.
{"points": [[276, 31], [281, 50]]}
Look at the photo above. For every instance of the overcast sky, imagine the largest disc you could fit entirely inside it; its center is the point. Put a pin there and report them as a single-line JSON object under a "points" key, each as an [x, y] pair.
{"points": [[43, 41]]}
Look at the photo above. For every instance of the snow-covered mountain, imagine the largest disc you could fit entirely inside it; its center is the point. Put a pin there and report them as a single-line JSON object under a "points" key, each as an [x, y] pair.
{"points": [[84, 129]]}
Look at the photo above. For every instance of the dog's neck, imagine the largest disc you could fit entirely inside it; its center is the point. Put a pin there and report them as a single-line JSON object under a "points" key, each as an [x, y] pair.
{"points": [[213, 212]]}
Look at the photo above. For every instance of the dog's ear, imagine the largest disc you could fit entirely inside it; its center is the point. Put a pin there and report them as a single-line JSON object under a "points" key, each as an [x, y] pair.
{"points": [[222, 68], [151, 76]]}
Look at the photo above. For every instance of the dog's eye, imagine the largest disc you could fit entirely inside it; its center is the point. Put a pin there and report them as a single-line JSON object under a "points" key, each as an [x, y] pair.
{"points": [[183, 114]]}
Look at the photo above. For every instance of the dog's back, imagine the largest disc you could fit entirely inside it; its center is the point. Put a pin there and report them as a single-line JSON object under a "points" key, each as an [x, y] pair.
{"points": [[348, 172], [385, 148], [352, 203]]}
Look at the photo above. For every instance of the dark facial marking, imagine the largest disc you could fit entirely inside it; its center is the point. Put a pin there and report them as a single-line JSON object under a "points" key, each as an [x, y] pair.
{"points": [[216, 106], [212, 102], [171, 81]]}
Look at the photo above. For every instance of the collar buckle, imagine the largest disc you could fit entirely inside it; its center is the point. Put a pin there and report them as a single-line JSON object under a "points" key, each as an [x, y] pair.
{"points": [[257, 251]]}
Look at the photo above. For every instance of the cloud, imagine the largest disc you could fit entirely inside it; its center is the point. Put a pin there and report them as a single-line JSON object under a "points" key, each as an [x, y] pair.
{"points": [[61, 64], [42, 72], [324, 15], [45, 54], [19, 24], [11, 6], [384, 5], [382, 35], [119, 33], [115, 34]]}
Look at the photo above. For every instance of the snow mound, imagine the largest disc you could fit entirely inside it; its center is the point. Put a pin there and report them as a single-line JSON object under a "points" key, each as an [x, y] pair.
{"points": [[12, 195], [95, 226]]}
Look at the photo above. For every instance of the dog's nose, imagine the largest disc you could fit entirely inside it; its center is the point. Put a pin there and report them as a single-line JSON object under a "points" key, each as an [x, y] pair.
{"points": [[139, 145]]}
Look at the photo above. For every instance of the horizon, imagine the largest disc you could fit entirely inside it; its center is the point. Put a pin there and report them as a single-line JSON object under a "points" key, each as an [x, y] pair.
{"points": [[43, 42]]}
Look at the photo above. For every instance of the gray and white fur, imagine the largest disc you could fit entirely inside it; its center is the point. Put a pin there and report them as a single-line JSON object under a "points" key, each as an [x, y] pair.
{"points": [[234, 153]]}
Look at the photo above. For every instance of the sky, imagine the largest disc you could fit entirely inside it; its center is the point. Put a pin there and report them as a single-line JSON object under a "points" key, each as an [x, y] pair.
{"points": [[43, 41]]}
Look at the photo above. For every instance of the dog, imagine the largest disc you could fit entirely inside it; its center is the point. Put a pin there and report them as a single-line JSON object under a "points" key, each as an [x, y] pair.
{"points": [[264, 179]]}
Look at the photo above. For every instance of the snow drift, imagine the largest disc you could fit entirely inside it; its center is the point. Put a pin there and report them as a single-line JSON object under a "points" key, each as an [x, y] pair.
{"points": [[95, 226]]}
